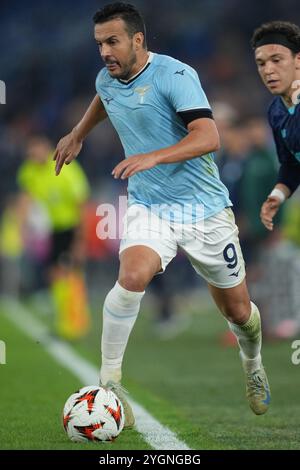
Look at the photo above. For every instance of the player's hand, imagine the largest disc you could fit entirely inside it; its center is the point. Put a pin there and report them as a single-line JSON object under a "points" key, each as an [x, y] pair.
{"points": [[132, 165], [67, 149], [268, 211]]}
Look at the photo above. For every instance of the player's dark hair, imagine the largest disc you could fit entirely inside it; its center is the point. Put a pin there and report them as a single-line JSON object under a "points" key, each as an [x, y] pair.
{"points": [[127, 12], [290, 31]]}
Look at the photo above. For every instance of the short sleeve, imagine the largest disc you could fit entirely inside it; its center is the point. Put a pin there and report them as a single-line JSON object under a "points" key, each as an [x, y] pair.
{"points": [[99, 80], [183, 88]]}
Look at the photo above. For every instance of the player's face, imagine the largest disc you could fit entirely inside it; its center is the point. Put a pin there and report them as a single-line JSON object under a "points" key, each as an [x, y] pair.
{"points": [[277, 67], [117, 49], [38, 149]]}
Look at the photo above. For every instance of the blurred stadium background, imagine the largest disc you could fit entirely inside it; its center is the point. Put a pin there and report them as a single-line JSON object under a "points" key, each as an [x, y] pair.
{"points": [[49, 62]]}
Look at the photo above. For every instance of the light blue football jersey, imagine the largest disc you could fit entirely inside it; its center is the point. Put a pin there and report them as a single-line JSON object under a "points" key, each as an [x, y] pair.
{"points": [[144, 112]]}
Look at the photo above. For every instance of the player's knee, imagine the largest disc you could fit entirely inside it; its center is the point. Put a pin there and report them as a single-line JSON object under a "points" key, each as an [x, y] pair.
{"points": [[134, 281], [237, 311]]}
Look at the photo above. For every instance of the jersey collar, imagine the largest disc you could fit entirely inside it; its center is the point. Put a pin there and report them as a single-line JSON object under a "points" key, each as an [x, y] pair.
{"points": [[150, 58], [291, 109]]}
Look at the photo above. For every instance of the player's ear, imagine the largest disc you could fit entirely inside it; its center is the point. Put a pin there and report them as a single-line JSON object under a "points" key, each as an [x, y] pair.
{"points": [[297, 59], [138, 40]]}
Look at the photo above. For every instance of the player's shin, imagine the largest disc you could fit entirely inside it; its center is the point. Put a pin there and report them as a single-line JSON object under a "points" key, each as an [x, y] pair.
{"points": [[120, 311], [249, 339]]}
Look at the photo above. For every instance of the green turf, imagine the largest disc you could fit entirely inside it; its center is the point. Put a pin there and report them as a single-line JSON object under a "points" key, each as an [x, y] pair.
{"points": [[192, 384], [205, 381], [33, 390]]}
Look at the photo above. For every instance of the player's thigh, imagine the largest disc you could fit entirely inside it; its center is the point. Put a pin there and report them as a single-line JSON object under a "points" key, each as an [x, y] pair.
{"points": [[138, 265], [215, 251], [146, 248]]}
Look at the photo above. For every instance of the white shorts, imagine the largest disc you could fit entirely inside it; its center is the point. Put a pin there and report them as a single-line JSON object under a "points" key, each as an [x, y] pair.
{"points": [[212, 245]]}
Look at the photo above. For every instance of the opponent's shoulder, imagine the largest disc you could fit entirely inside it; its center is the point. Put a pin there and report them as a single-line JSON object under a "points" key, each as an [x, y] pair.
{"points": [[274, 110]]}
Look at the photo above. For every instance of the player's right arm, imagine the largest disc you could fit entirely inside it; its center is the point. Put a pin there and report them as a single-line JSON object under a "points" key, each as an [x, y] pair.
{"points": [[270, 207], [287, 182], [69, 146]]}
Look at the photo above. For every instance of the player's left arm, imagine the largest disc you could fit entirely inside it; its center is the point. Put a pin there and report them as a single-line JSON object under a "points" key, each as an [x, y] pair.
{"points": [[202, 138]]}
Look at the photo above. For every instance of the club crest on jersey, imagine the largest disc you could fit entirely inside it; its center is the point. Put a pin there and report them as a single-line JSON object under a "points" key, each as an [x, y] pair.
{"points": [[141, 91]]}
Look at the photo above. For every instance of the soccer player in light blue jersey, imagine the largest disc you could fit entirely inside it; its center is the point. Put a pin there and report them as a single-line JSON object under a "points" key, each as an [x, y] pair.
{"points": [[175, 197]]}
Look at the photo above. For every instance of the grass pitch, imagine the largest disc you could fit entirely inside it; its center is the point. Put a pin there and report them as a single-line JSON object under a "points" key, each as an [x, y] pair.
{"points": [[192, 384]]}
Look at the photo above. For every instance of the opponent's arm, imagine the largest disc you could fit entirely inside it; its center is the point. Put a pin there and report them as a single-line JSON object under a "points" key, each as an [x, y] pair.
{"points": [[270, 207], [69, 146], [202, 138], [287, 182]]}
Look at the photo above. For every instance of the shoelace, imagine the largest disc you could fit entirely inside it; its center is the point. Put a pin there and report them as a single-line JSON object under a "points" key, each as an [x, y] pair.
{"points": [[255, 383], [116, 386]]}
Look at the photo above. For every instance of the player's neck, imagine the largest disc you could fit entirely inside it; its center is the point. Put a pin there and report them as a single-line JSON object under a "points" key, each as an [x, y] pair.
{"points": [[140, 64], [287, 98], [291, 96]]}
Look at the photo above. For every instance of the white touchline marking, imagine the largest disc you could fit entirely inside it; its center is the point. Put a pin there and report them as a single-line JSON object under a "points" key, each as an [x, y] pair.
{"points": [[153, 432]]}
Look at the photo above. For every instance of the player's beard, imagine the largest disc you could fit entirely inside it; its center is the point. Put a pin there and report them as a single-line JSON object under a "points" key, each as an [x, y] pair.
{"points": [[126, 69]]}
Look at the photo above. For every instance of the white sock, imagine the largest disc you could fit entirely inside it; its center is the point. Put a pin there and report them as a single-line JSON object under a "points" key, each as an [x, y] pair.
{"points": [[251, 365], [120, 311], [249, 339]]}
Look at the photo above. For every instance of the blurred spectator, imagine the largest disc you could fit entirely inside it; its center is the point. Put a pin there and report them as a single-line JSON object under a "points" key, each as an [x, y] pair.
{"points": [[291, 222], [11, 247], [231, 160], [257, 180], [170, 319], [277, 288], [63, 200]]}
